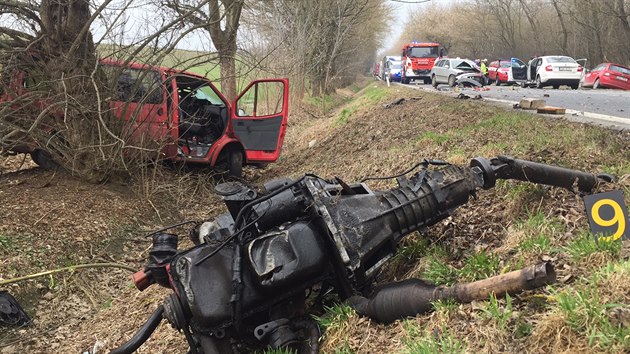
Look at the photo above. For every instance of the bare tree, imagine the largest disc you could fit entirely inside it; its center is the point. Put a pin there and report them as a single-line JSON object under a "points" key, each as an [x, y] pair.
{"points": [[220, 18], [326, 43], [596, 30], [56, 96]]}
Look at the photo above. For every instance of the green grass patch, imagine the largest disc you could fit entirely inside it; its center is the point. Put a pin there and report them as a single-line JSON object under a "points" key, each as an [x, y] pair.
{"points": [[434, 137], [325, 100], [540, 232], [587, 314], [537, 244], [523, 329], [437, 270], [445, 306], [411, 249], [416, 342], [345, 113], [479, 265], [585, 244], [374, 93], [6, 243], [500, 314], [335, 316]]}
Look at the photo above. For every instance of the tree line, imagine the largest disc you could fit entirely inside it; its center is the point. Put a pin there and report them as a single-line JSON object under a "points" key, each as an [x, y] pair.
{"points": [[596, 30]]}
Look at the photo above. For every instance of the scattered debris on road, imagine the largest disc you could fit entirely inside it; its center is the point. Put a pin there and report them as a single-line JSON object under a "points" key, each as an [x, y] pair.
{"points": [[531, 103], [463, 96], [551, 110], [400, 101]]}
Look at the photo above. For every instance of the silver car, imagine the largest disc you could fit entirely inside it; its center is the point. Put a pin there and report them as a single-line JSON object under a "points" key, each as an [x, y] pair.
{"points": [[448, 71]]}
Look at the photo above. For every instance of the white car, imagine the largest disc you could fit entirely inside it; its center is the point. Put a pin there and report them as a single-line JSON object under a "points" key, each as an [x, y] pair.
{"points": [[554, 70], [449, 70]]}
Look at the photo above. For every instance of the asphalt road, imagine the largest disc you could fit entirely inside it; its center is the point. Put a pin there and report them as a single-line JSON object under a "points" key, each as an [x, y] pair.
{"points": [[604, 107]]}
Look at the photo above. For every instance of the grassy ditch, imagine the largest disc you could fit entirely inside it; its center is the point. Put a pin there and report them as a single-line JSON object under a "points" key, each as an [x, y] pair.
{"points": [[512, 226]]}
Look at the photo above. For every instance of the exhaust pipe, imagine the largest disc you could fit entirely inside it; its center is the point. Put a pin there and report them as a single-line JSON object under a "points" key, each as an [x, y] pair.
{"points": [[411, 297]]}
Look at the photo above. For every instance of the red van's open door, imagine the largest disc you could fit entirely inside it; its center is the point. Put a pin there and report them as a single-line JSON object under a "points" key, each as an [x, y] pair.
{"points": [[259, 118]]}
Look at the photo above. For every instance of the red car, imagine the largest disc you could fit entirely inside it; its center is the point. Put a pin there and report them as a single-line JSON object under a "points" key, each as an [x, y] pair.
{"points": [[186, 115], [498, 71], [608, 75]]}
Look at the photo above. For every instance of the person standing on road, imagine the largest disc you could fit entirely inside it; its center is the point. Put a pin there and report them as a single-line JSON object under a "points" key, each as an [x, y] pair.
{"points": [[484, 70]]}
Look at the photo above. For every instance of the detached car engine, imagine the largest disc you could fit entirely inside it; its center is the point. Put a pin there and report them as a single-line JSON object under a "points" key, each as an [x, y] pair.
{"points": [[255, 272]]}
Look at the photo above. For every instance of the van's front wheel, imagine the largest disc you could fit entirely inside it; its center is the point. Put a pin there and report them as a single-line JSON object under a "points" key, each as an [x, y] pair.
{"points": [[235, 163]]}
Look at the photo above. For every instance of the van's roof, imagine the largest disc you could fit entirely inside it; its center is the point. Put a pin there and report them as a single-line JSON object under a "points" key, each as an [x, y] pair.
{"points": [[136, 65]]}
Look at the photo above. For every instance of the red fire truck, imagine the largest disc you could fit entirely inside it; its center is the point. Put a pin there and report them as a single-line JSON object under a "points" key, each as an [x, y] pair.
{"points": [[418, 59]]}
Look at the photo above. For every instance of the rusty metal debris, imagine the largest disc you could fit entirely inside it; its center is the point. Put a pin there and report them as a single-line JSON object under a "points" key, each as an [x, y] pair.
{"points": [[410, 297]]}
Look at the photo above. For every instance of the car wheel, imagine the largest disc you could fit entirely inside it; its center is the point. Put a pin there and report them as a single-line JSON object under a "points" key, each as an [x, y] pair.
{"points": [[596, 84], [43, 159], [497, 81], [426, 81], [538, 82], [451, 80], [555, 87], [434, 81], [575, 86], [522, 84], [235, 163]]}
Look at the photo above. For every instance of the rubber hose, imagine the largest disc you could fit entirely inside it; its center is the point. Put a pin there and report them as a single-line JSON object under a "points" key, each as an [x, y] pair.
{"points": [[142, 334]]}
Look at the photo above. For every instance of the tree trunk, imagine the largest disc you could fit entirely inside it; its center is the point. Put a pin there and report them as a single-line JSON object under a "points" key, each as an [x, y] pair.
{"points": [[224, 40], [565, 33], [60, 66], [228, 73]]}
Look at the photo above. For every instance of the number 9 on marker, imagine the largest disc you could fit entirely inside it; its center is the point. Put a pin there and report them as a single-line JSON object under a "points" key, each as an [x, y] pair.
{"points": [[607, 215]]}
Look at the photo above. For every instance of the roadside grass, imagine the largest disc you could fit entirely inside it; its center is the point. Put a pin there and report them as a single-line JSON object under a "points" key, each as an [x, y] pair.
{"points": [[585, 245], [538, 234], [338, 324], [336, 317], [369, 96], [445, 306], [344, 114], [326, 102], [598, 307], [432, 137], [500, 314], [412, 248], [479, 265], [538, 222], [418, 341]]}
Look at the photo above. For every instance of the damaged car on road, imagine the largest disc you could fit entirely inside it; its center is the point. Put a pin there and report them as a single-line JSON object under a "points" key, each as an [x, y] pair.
{"points": [[462, 72]]}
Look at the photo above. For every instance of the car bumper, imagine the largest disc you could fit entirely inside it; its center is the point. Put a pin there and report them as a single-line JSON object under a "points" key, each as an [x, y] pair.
{"points": [[559, 81], [608, 81], [561, 77], [418, 74]]}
